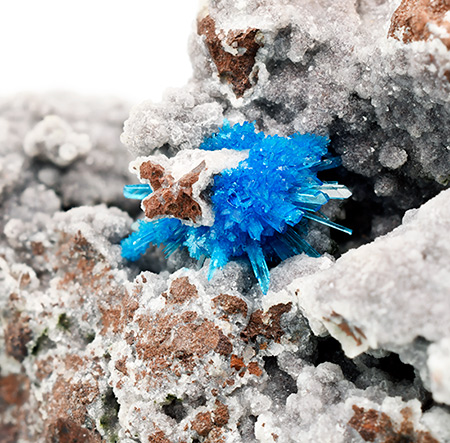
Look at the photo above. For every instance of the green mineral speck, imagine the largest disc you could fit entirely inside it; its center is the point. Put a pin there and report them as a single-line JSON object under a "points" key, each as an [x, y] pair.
{"points": [[90, 337], [64, 322], [40, 342], [108, 421], [170, 398]]}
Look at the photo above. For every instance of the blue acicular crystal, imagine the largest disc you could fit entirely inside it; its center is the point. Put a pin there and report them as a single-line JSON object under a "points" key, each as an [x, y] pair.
{"points": [[261, 207]]}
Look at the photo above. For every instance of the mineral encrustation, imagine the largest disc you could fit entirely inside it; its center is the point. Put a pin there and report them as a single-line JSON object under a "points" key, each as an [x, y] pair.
{"points": [[352, 346]]}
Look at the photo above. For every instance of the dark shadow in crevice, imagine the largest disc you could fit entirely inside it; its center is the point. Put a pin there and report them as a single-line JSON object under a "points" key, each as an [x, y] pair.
{"points": [[277, 111], [329, 350], [392, 365], [389, 373], [110, 419], [174, 408], [246, 427], [280, 385]]}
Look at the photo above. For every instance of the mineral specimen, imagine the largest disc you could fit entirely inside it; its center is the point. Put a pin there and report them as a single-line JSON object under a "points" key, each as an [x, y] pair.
{"points": [[348, 347], [258, 203]]}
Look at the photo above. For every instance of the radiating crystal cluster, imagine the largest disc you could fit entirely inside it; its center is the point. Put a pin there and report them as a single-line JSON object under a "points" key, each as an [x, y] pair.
{"points": [[260, 207]]}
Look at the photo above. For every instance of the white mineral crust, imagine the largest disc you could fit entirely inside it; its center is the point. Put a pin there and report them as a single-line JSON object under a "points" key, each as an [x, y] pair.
{"points": [[94, 348]]}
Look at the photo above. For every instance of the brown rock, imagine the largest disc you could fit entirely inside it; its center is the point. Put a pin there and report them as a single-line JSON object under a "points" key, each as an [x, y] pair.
{"points": [[14, 390], [202, 423], [215, 436], [37, 248], [163, 350], [188, 316], [158, 437], [373, 425], [224, 346], [121, 366], [237, 362], [78, 258], [170, 197], [231, 304], [351, 331], [9, 433], [44, 367], [236, 69], [74, 362], [221, 416], [266, 324], [67, 431], [156, 174], [17, 335], [181, 291], [254, 369], [14, 411], [413, 17], [66, 404], [115, 318]]}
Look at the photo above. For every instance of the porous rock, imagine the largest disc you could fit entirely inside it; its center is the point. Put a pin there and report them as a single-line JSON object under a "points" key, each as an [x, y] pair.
{"points": [[330, 68], [42, 135], [388, 293], [93, 348]]}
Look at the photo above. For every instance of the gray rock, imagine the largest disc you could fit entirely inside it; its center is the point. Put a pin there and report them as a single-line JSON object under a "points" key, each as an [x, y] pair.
{"points": [[93, 348], [389, 293]]}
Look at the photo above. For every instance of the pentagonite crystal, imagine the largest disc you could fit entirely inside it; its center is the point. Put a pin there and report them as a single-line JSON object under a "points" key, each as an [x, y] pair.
{"points": [[260, 207]]}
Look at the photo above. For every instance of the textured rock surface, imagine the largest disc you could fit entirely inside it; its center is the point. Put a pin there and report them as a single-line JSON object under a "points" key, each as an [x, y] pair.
{"points": [[421, 20], [358, 298], [346, 348], [326, 67], [178, 182], [65, 143]]}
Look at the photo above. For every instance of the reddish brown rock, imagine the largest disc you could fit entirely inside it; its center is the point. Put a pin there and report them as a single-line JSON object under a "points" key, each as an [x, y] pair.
{"points": [[351, 331], [156, 174], [224, 346], [14, 391], [44, 368], [67, 397], [9, 433], [413, 18], [236, 69], [221, 415], [202, 423], [115, 318], [377, 426], [162, 350], [77, 258], [158, 437], [231, 304], [170, 197], [75, 362], [121, 366], [215, 436], [14, 409], [17, 336], [237, 362], [37, 248], [254, 369], [266, 324], [67, 431], [181, 291], [66, 404]]}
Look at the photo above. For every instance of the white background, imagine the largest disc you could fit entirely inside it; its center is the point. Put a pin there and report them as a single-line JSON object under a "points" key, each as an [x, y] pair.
{"points": [[131, 49]]}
